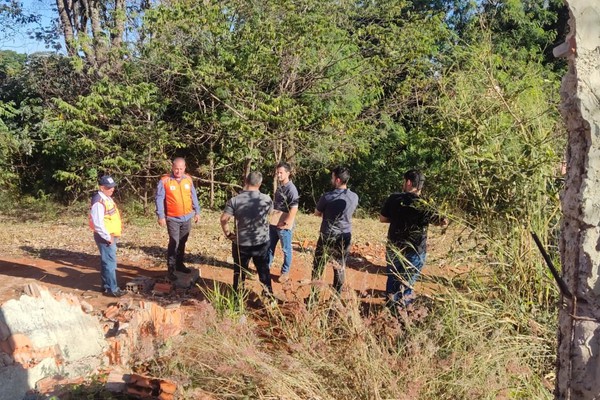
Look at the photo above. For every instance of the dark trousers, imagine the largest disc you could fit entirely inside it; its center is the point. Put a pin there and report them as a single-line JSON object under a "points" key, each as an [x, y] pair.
{"points": [[178, 236], [336, 247], [241, 260]]}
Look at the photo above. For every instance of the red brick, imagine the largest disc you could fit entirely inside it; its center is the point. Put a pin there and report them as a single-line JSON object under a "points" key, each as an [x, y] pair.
{"points": [[139, 380], [168, 387], [111, 312], [163, 287]]}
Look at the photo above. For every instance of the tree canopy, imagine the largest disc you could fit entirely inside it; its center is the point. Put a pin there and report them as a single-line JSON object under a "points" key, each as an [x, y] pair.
{"points": [[466, 91]]}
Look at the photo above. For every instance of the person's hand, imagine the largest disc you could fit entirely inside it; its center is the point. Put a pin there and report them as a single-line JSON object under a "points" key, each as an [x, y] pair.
{"points": [[284, 225], [196, 218], [230, 236], [444, 222], [162, 222]]}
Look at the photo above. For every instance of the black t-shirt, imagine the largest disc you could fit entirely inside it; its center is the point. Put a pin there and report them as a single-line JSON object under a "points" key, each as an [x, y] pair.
{"points": [[409, 217]]}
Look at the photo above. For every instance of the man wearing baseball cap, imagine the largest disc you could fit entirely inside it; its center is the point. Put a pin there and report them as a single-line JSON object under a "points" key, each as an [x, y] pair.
{"points": [[105, 222]]}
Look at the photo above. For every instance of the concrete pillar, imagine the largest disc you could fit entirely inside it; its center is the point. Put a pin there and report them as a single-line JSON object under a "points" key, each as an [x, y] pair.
{"points": [[578, 365]]}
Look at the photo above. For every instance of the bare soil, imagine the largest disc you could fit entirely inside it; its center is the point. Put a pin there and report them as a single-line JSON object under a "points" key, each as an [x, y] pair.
{"points": [[60, 253]]}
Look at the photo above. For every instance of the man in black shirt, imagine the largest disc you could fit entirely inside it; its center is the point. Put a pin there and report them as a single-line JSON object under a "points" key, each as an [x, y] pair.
{"points": [[408, 216]]}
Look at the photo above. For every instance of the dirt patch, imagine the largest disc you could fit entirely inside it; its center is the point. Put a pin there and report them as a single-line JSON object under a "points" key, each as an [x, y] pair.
{"points": [[62, 255]]}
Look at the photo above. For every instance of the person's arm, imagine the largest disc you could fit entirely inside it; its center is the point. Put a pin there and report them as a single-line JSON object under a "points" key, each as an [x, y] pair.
{"points": [[320, 208], [195, 203], [159, 200], [225, 226], [289, 221], [97, 213], [384, 215], [293, 200]]}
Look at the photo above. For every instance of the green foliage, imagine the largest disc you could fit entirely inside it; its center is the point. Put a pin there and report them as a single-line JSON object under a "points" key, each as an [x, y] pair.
{"points": [[227, 303], [117, 129], [262, 81]]}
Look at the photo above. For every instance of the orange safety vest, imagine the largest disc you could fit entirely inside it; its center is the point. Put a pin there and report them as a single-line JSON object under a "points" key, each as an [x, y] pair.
{"points": [[178, 196], [112, 217]]}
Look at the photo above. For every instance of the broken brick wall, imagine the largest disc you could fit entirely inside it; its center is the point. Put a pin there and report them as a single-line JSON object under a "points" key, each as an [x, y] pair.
{"points": [[44, 335], [41, 335]]}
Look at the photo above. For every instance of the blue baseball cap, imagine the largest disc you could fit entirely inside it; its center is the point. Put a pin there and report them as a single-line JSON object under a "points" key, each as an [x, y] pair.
{"points": [[107, 181]]}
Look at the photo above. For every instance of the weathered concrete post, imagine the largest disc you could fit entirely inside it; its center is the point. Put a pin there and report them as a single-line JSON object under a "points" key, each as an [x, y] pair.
{"points": [[578, 375]]}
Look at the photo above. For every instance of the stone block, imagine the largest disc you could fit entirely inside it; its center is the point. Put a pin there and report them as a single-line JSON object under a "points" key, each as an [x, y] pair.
{"points": [[186, 281], [140, 284]]}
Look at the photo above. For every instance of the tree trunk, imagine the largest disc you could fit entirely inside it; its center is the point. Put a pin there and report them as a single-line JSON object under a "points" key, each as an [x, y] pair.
{"points": [[578, 375], [63, 7], [116, 35]]}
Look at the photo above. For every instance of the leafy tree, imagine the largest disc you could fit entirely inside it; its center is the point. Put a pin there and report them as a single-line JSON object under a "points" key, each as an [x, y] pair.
{"points": [[116, 129]]}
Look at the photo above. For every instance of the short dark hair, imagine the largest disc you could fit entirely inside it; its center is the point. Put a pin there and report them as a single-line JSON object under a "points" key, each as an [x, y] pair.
{"points": [[283, 164], [254, 178], [342, 173], [416, 178]]}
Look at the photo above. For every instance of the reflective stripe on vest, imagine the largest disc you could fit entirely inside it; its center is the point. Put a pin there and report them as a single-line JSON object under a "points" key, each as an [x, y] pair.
{"points": [[178, 196], [112, 217]]}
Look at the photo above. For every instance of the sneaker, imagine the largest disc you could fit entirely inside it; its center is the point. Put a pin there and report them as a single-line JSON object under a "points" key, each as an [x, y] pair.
{"points": [[118, 293], [171, 276], [284, 277], [183, 268]]}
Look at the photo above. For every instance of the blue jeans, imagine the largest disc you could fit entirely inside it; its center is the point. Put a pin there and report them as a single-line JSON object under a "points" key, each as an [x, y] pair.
{"points": [[403, 270], [285, 236], [108, 263]]}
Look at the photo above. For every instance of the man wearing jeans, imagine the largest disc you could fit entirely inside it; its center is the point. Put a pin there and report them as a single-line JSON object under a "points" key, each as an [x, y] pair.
{"points": [[336, 207], [250, 239], [281, 228], [176, 206], [105, 222], [408, 216]]}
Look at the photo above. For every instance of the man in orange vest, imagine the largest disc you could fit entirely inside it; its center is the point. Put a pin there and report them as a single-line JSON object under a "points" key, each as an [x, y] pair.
{"points": [[176, 206], [105, 221]]}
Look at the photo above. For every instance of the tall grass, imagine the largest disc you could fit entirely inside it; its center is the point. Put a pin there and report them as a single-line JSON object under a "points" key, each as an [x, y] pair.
{"points": [[469, 346]]}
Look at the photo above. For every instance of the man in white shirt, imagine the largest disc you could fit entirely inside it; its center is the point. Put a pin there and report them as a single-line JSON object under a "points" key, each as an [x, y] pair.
{"points": [[105, 222]]}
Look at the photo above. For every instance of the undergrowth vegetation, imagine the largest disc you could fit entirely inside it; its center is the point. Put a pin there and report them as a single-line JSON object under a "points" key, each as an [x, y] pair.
{"points": [[465, 348], [486, 336]]}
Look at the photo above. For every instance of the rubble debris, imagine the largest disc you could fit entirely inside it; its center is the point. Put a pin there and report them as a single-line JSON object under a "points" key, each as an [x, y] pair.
{"points": [[147, 387], [42, 334], [45, 337]]}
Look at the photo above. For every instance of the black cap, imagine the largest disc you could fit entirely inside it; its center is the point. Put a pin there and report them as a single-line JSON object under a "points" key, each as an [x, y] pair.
{"points": [[107, 181]]}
